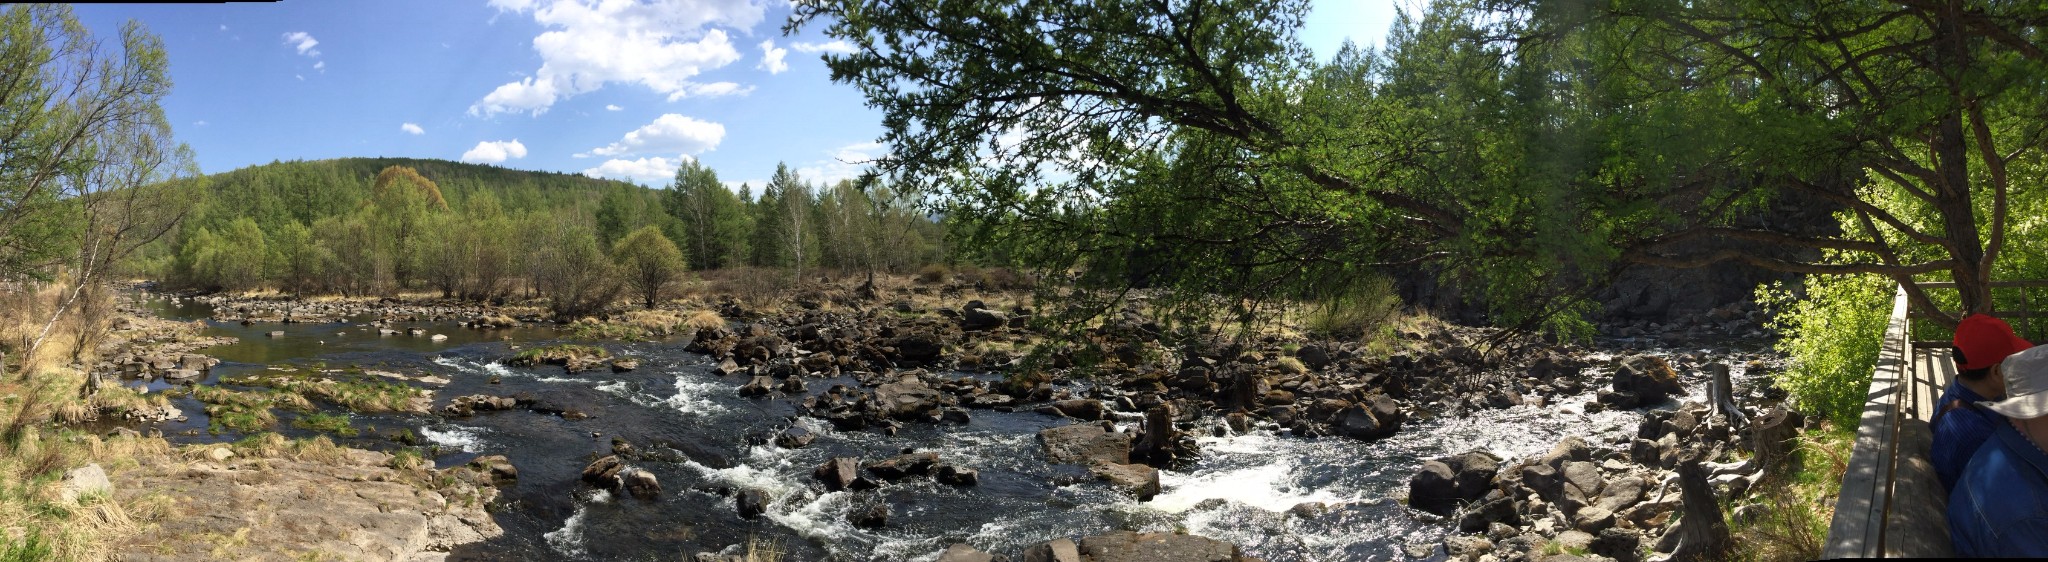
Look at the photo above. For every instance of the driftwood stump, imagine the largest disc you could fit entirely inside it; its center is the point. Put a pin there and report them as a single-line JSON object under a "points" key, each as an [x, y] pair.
{"points": [[1244, 390], [1703, 534], [1721, 393], [1156, 437], [1773, 437]]}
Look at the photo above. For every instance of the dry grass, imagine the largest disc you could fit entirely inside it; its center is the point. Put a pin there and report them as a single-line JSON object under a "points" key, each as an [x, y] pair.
{"points": [[1798, 508], [704, 319]]}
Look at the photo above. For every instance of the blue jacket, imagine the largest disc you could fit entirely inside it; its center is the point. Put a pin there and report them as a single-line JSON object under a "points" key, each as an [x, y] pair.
{"points": [[1958, 431], [2000, 505]]}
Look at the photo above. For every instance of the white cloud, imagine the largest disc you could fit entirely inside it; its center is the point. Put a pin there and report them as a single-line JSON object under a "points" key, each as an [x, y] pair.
{"points": [[223, 27], [495, 151], [612, 107], [199, 123], [843, 163], [670, 133], [302, 41], [712, 90], [320, 66], [301, 77], [839, 46], [412, 128], [653, 171], [771, 58], [659, 44]]}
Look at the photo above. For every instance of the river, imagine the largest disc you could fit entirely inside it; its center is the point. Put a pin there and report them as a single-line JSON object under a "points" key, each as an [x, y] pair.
{"points": [[1240, 490]]}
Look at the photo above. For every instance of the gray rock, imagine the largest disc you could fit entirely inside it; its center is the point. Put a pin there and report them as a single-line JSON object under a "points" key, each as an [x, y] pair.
{"points": [[1138, 480], [1623, 545], [838, 473], [964, 553], [1467, 548], [1593, 520], [751, 503], [1127, 546], [88, 480], [904, 465], [1056, 550], [1085, 444]]}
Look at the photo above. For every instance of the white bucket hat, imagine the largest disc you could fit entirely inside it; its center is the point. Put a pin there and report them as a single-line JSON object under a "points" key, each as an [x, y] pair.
{"points": [[2026, 385]]}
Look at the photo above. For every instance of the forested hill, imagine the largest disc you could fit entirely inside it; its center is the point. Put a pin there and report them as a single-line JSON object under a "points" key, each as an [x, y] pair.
{"points": [[307, 191], [307, 220]]}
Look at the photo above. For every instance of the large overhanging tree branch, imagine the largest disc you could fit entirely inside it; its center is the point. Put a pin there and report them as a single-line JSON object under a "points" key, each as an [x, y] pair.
{"points": [[1540, 145]]}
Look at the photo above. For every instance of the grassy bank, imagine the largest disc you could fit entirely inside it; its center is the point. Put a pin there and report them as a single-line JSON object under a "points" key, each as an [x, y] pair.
{"points": [[1794, 507]]}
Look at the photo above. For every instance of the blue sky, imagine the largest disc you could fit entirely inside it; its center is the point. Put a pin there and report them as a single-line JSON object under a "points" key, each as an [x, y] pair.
{"points": [[624, 89]]}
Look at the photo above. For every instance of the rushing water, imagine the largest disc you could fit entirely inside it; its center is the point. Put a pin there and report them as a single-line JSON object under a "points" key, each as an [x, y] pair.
{"points": [[1241, 490]]}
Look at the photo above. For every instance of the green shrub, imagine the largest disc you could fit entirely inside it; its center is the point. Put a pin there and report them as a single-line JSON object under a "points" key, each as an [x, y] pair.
{"points": [[31, 548], [1354, 311], [1832, 338], [326, 422]]}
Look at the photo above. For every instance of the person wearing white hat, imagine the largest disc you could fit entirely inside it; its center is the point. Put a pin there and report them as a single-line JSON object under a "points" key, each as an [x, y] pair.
{"points": [[2000, 504]]}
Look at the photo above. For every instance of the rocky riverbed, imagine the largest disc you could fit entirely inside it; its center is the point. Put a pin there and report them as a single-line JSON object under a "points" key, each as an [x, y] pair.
{"points": [[909, 428]]}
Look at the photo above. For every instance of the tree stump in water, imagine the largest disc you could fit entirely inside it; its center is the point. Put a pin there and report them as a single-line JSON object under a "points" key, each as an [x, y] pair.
{"points": [[1155, 439], [1244, 389]]}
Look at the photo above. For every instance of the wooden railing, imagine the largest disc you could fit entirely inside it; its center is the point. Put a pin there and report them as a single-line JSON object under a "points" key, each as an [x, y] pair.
{"points": [[1891, 504], [1862, 509]]}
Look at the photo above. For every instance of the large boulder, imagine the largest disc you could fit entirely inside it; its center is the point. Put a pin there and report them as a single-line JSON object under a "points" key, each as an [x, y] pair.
{"points": [[965, 553], [838, 473], [1056, 550], [1378, 417], [1086, 444], [904, 465], [909, 398], [978, 319], [1442, 485], [1140, 481], [1127, 546], [1643, 380], [639, 482]]}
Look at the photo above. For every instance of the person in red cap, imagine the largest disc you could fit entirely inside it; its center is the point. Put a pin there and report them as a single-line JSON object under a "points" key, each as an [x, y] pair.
{"points": [[2000, 504], [1960, 426]]}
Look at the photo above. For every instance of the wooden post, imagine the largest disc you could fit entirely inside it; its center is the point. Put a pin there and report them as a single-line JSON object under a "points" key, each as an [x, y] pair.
{"points": [[1704, 533]]}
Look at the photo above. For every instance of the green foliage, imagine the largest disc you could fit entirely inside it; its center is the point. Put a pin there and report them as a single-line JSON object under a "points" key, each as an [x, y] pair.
{"points": [[1832, 337], [1357, 311], [649, 262], [31, 547], [558, 354], [337, 424], [712, 222], [1524, 152]]}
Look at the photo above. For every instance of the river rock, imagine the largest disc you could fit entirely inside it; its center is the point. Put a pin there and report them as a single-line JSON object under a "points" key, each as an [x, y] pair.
{"points": [[1085, 444], [751, 503], [795, 438], [624, 365], [874, 516], [182, 375], [838, 473], [909, 398], [1138, 480], [1593, 519], [956, 475], [1623, 545], [1081, 409], [1441, 485], [760, 385], [1377, 418], [980, 319], [465, 406], [640, 483], [1642, 380], [88, 480], [1127, 546], [497, 468], [276, 333], [603, 471], [1467, 548], [904, 465], [1056, 550], [965, 553]]}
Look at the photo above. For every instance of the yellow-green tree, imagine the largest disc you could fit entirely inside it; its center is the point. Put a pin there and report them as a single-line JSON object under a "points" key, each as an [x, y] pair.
{"points": [[649, 262]]}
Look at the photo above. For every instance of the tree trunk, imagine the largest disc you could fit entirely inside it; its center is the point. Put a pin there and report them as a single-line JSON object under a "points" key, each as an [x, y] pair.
{"points": [[1704, 534], [1952, 164]]}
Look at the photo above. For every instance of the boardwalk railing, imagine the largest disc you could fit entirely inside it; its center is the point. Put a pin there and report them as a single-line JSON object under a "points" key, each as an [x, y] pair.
{"points": [[1858, 530], [1891, 504]]}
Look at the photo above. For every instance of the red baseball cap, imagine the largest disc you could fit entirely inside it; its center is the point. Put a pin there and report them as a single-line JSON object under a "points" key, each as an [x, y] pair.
{"points": [[1986, 340]]}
